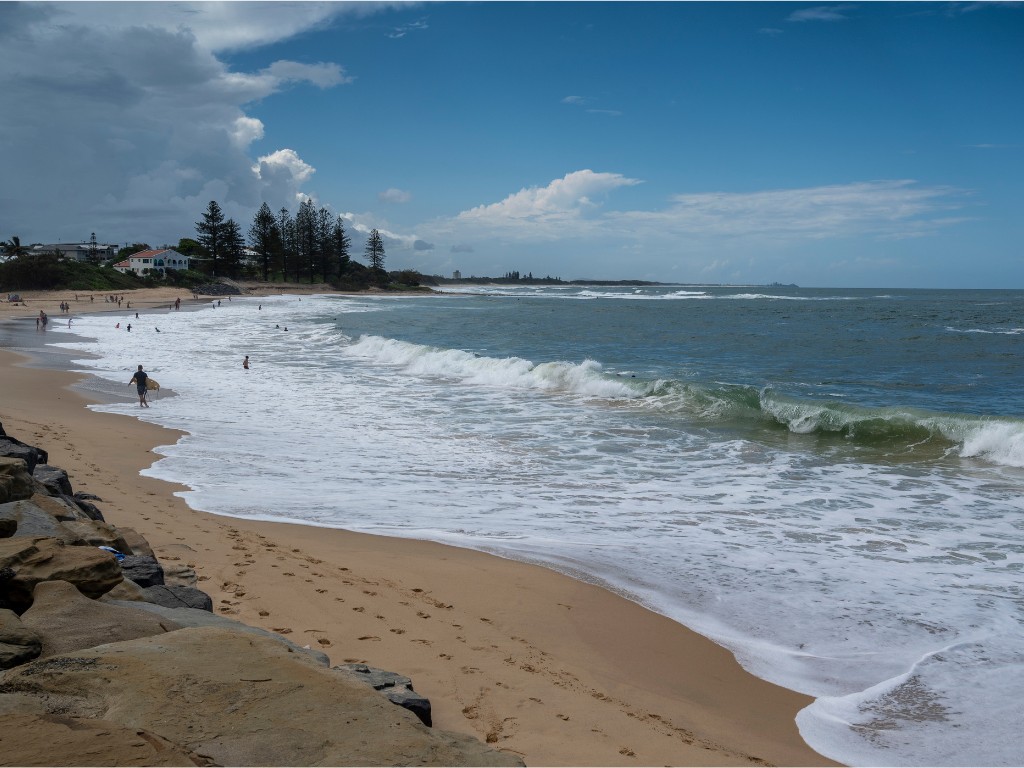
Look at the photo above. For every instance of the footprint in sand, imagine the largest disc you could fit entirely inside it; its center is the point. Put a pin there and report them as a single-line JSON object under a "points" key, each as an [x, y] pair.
{"points": [[397, 631], [359, 609], [369, 637], [423, 615], [264, 613], [282, 630]]}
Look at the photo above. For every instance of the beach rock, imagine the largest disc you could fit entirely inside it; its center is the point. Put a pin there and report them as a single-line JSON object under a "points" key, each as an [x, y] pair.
{"points": [[8, 526], [18, 643], [174, 596], [136, 542], [91, 510], [67, 621], [179, 574], [396, 688], [32, 522], [33, 560], [195, 617], [239, 699], [15, 449], [127, 590], [144, 571], [96, 533], [58, 507], [41, 740], [15, 480], [54, 479]]}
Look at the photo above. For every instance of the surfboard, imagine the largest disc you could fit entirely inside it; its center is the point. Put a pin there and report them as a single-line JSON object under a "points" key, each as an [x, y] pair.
{"points": [[151, 383]]}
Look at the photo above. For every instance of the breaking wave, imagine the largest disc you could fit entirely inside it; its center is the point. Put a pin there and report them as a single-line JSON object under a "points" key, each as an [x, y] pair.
{"points": [[999, 440]]}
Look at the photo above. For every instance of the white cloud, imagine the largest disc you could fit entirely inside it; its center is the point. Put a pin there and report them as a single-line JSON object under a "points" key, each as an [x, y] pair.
{"points": [[393, 195], [564, 209], [562, 199], [577, 100], [247, 130], [322, 75]]}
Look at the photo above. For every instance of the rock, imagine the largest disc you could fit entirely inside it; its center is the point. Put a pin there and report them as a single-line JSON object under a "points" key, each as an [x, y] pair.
{"points": [[396, 688], [137, 544], [83, 496], [195, 617], [144, 571], [9, 446], [96, 533], [54, 479], [58, 507], [32, 522], [67, 621], [174, 596], [33, 560], [180, 574], [238, 699], [91, 510], [15, 480], [126, 590], [28, 739], [18, 643], [7, 527]]}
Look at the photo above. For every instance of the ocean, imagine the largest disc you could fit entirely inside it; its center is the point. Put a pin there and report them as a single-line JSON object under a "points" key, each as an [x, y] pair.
{"points": [[827, 482]]}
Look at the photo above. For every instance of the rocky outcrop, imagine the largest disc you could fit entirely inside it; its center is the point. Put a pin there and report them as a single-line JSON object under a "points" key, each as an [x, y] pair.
{"points": [[238, 699], [15, 479], [113, 658], [35, 560]]}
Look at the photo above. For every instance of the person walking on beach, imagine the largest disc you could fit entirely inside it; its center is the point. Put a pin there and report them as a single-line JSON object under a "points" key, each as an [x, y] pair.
{"points": [[139, 380]]}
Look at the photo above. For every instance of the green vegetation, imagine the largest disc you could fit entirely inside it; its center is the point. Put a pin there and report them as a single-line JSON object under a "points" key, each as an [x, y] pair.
{"points": [[48, 271]]}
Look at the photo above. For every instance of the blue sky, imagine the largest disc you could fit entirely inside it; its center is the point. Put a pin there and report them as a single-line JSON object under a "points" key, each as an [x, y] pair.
{"points": [[849, 144]]}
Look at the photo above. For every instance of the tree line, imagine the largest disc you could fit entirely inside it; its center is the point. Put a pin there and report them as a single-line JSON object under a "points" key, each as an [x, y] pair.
{"points": [[310, 246]]}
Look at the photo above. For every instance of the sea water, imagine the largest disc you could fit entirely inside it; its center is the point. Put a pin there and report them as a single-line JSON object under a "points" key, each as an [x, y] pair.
{"points": [[827, 482]]}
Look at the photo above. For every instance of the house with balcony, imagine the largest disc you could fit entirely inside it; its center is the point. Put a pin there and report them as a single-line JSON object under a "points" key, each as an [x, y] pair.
{"points": [[154, 261]]}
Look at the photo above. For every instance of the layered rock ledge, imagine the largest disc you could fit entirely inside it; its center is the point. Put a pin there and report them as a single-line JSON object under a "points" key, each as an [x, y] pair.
{"points": [[109, 658]]}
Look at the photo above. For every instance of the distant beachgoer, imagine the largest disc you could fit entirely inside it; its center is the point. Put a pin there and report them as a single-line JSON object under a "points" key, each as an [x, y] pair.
{"points": [[129, 327], [260, 307], [245, 363], [118, 325], [157, 330], [139, 380], [218, 302], [136, 315], [278, 327]]}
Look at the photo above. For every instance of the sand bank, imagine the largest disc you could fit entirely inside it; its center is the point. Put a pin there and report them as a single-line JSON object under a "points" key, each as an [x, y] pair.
{"points": [[557, 671]]}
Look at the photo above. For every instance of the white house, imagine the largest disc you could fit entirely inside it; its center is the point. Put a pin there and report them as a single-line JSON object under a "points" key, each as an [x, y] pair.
{"points": [[153, 261]]}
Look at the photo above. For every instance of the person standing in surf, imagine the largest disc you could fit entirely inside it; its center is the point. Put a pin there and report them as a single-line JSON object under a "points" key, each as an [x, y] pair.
{"points": [[139, 380]]}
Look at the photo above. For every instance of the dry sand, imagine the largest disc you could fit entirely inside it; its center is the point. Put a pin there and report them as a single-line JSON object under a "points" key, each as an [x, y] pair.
{"points": [[533, 662]]}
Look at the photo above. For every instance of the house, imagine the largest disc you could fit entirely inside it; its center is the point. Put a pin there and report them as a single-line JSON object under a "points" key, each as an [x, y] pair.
{"points": [[158, 261], [77, 251]]}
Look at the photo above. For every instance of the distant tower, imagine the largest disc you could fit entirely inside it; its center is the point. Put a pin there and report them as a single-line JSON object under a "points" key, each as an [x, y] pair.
{"points": [[456, 275]]}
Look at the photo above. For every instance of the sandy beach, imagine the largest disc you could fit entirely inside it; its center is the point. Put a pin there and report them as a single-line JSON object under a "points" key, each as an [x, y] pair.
{"points": [[533, 662]]}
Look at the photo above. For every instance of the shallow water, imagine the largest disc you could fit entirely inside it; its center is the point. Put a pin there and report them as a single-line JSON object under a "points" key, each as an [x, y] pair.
{"points": [[826, 482]]}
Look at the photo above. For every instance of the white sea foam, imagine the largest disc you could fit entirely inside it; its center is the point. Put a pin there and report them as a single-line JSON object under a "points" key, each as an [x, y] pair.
{"points": [[872, 587]]}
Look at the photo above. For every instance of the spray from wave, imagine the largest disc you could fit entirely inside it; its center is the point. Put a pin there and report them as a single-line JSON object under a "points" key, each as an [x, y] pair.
{"points": [[994, 439]]}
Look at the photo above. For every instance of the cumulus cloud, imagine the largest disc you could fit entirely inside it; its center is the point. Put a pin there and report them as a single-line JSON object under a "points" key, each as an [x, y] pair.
{"points": [[393, 195], [128, 122], [562, 199], [422, 245]]}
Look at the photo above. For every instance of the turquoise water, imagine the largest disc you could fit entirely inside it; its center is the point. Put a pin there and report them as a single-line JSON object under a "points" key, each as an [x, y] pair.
{"points": [[826, 482]]}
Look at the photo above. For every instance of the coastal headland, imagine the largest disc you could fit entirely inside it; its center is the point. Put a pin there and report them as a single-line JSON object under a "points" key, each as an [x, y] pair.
{"points": [[532, 663]]}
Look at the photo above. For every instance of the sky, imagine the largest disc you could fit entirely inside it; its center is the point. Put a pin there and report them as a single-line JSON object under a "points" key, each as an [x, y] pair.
{"points": [[848, 144]]}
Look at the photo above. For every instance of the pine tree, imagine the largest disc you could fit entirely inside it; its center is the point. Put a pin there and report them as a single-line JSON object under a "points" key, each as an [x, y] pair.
{"points": [[286, 231], [211, 233], [262, 236], [375, 250], [232, 248]]}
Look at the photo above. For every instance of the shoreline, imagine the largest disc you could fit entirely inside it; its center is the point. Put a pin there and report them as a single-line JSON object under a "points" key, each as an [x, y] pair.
{"points": [[555, 670]]}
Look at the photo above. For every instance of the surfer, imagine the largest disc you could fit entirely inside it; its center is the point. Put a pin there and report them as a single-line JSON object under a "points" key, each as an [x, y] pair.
{"points": [[139, 380], [245, 363]]}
